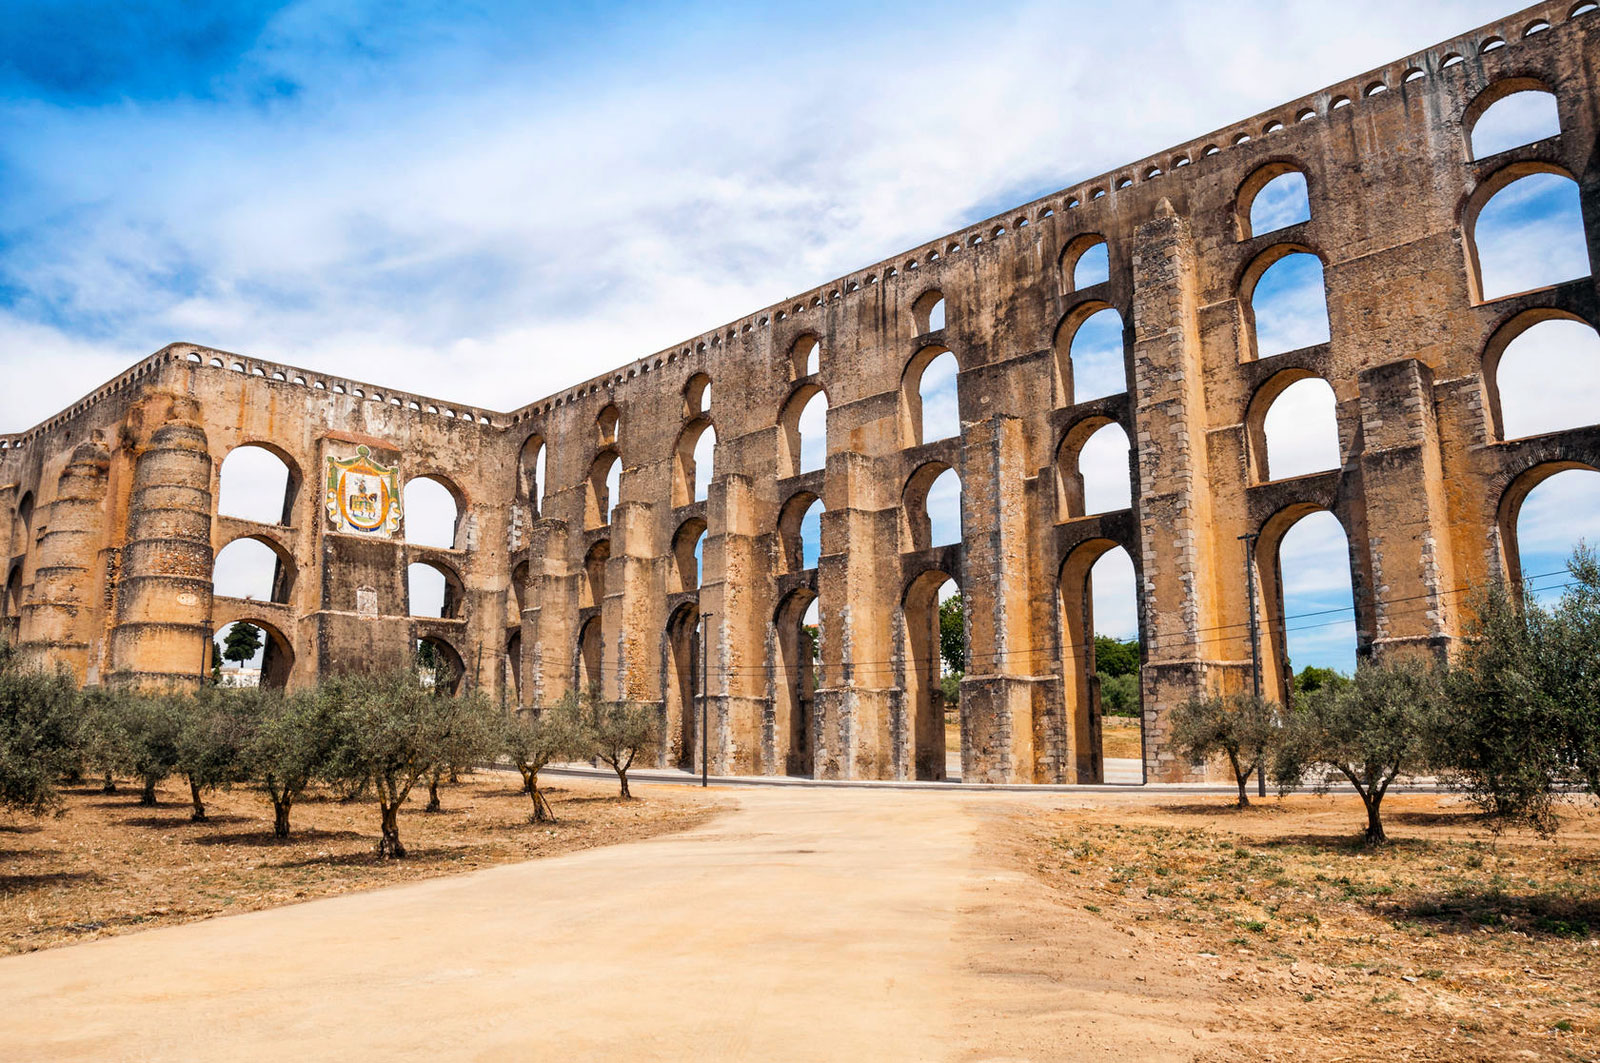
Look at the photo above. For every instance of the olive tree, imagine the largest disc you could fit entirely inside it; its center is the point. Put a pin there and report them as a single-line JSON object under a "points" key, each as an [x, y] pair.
{"points": [[391, 730], [1244, 728], [617, 732], [215, 726], [471, 738], [1369, 729], [536, 737], [140, 736], [39, 734], [292, 744]]}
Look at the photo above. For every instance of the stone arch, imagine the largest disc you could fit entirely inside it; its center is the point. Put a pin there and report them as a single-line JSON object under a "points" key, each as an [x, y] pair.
{"points": [[22, 524], [266, 577], [921, 528], [1274, 197], [918, 387], [805, 356], [697, 396], [1510, 508], [276, 653], [1529, 334], [1507, 114], [919, 731], [794, 685], [11, 603], [586, 658], [1514, 247], [519, 589], [429, 580], [449, 668], [929, 311], [1091, 353], [433, 508], [258, 481], [1109, 486], [1079, 268], [601, 489], [680, 684], [1283, 301], [1317, 431], [531, 461], [592, 587], [792, 518], [1079, 685], [605, 425], [692, 472], [803, 438], [687, 571], [514, 667], [1276, 625]]}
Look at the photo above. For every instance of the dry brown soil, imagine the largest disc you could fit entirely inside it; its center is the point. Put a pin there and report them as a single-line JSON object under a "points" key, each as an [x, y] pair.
{"points": [[1120, 738], [109, 865], [1448, 944]]}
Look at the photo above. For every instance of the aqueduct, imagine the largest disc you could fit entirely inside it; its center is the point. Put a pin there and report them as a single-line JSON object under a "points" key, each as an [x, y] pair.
{"points": [[604, 531]]}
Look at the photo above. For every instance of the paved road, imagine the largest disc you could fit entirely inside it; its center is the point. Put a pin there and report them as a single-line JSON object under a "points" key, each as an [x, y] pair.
{"points": [[806, 925]]}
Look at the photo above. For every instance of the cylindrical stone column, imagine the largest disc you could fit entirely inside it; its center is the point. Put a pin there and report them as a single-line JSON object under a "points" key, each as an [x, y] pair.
{"points": [[58, 616], [164, 592]]}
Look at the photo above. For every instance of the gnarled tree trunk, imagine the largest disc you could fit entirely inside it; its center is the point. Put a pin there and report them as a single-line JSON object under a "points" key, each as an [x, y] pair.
{"points": [[148, 795], [198, 813], [389, 846]]}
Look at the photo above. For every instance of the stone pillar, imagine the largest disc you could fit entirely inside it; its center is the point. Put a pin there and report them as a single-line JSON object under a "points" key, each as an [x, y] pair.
{"points": [[997, 702], [548, 635], [1403, 599], [857, 581], [733, 591], [635, 596], [164, 589], [1179, 551], [58, 618]]}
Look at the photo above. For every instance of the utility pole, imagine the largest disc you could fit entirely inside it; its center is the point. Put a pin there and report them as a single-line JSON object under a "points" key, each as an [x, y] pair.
{"points": [[1249, 541], [705, 698]]}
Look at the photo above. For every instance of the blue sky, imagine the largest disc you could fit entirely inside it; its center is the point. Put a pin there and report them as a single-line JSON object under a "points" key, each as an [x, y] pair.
{"points": [[487, 201]]}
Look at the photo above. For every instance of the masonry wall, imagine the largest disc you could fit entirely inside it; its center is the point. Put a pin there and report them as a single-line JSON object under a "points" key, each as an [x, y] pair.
{"points": [[112, 504]]}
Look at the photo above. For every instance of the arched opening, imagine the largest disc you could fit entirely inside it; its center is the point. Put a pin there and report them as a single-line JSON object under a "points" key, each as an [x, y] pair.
{"points": [[605, 425], [252, 568], [922, 752], [932, 507], [1542, 374], [1274, 197], [1508, 115], [688, 554], [11, 604], [1101, 658], [1299, 431], [586, 675], [438, 664], [432, 511], [806, 356], [694, 464], [1544, 514], [1085, 262], [928, 311], [805, 431], [795, 682], [1308, 599], [930, 397], [519, 589], [800, 532], [605, 484], [257, 484], [251, 653], [514, 668], [1090, 357], [592, 589], [1102, 469], [1286, 302], [697, 396], [22, 525], [530, 472], [433, 590], [1528, 233], [681, 684]]}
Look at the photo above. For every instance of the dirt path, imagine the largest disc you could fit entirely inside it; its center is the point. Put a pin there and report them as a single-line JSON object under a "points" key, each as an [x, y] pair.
{"points": [[807, 925]]}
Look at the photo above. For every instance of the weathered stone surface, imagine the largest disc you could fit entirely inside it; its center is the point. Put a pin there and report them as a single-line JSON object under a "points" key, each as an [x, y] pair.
{"points": [[111, 525]]}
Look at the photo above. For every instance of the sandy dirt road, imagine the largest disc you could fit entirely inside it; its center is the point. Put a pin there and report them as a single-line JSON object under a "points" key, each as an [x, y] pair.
{"points": [[803, 925]]}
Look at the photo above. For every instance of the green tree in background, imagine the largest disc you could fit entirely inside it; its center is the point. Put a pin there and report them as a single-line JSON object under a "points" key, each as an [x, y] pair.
{"points": [[952, 634], [241, 643]]}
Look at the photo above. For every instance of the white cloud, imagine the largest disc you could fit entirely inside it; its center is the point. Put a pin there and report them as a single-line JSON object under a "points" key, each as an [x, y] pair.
{"points": [[1302, 430]]}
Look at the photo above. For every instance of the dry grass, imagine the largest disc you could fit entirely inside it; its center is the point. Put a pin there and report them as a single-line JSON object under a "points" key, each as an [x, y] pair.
{"points": [[109, 866], [1447, 944], [1119, 738]]}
